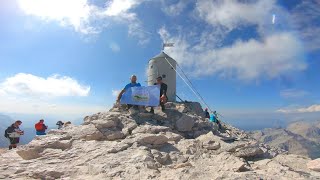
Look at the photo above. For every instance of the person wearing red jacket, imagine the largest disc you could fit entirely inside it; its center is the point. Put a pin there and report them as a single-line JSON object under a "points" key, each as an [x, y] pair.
{"points": [[41, 128]]}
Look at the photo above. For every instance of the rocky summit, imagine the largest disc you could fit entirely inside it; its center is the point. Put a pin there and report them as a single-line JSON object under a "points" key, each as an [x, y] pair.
{"points": [[176, 144]]}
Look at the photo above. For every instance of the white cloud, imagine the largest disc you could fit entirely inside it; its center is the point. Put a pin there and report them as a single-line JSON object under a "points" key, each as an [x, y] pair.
{"points": [[304, 19], [72, 12], [174, 9], [115, 93], [309, 109], [116, 7], [269, 54], [86, 17], [271, 57], [233, 13], [30, 94], [54, 86], [35, 106], [114, 47], [293, 93]]}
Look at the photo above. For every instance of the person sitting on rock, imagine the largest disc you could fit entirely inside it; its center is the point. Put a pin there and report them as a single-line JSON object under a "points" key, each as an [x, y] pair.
{"points": [[163, 93], [133, 83], [40, 128], [59, 124], [13, 133]]}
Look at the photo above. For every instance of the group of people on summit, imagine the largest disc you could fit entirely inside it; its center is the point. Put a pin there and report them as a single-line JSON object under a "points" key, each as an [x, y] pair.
{"points": [[163, 98], [14, 132], [134, 83]]}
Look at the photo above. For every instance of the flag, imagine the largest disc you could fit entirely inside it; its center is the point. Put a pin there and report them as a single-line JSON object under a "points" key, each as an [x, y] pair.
{"points": [[167, 45], [144, 96]]}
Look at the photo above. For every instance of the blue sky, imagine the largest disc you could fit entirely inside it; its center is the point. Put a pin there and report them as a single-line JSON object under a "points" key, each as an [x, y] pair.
{"points": [[249, 59]]}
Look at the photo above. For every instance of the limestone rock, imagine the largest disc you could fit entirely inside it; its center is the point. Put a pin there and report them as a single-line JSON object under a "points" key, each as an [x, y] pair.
{"points": [[173, 136], [314, 165], [152, 129], [153, 139], [248, 152], [228, 162], [185, 123], [161, 157], [28, 153], [211, 145], [86, 132], [175, 144], [104, 124], [182, 165]]}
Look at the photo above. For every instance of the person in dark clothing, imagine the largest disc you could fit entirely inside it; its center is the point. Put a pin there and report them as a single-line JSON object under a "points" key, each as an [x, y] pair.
{"points": [[207, 115], [13, 133], [41, 128], [60, 124], [163, 93]]}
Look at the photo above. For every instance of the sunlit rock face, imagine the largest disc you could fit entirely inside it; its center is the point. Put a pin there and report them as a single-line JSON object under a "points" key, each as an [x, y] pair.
{"points": [[178, 143]]}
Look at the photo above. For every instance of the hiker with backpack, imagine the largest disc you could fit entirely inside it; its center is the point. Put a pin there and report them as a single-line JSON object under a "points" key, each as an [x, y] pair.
{"points": [[40, 128], [214, 118], [13, 133]]}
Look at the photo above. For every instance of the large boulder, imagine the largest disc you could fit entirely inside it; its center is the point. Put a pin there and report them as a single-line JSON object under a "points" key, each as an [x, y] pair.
{"points": [[189, 107], [185, 123], [211, 145], [249, 152], [29, 153], [151, 129], [152, 139], [228, 162], [86, 132], [314, 165], [161, 157]]}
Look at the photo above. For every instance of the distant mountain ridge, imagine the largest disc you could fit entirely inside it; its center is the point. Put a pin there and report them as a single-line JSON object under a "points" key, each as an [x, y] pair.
{"points": [[302, 138]]}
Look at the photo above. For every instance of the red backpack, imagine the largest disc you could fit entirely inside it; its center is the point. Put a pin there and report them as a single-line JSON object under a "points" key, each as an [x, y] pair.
{"points": [[39, 126]]}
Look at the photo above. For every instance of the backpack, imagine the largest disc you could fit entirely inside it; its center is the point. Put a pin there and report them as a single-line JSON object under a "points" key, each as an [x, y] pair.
{"points": [[38, 126], [7, 131]]}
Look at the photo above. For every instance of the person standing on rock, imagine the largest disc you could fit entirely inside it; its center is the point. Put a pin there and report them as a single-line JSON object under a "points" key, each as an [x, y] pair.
{"points": [[133, 83], [13, 133], [206, 113], [40, 128], [163, 93], [214, 118]]}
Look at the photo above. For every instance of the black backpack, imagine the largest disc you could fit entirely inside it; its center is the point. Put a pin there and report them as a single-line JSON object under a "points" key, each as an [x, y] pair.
{"points": [[7, 131]]}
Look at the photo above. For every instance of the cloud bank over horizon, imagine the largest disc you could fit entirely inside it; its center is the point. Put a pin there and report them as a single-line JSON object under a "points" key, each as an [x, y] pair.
{"points": [[30, 94]]}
